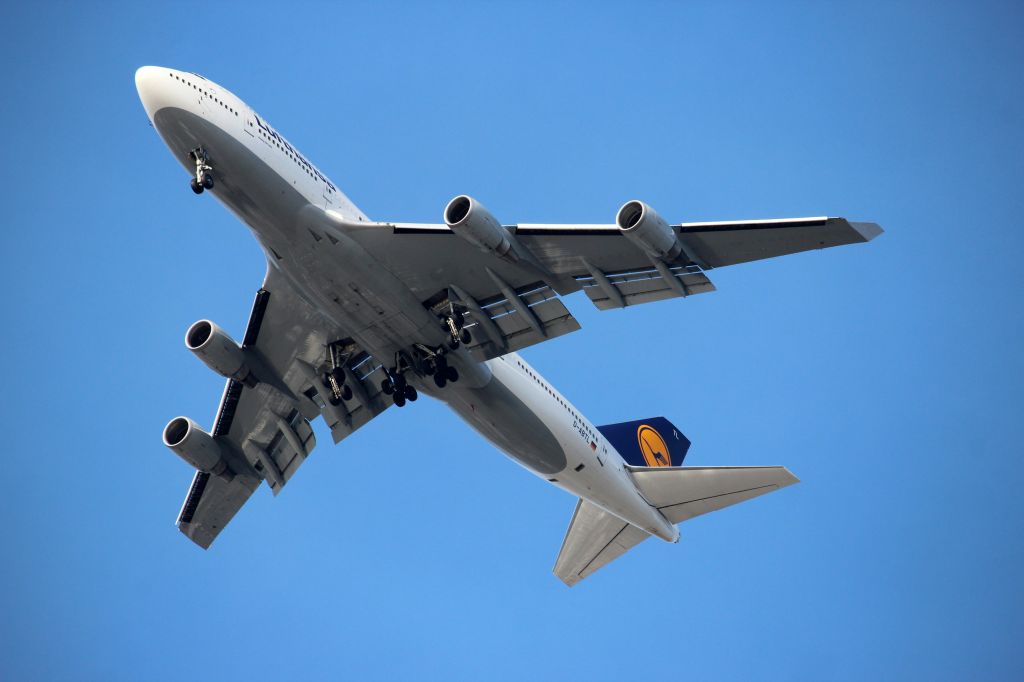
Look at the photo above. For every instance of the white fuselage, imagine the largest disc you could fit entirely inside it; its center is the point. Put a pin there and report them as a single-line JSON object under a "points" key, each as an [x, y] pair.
{"points": [[271, 187]]}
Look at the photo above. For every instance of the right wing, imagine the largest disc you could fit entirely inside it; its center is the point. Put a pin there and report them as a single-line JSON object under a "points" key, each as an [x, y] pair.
{"points": [[264, 431]]}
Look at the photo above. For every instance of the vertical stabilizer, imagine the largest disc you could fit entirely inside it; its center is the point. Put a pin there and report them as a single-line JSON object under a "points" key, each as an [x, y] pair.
{"points": [[653, 442]]}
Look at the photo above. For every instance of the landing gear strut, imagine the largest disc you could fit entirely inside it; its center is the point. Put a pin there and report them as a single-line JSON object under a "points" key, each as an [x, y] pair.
{"points": [[334, 379], [204, 171], [453, 323]]}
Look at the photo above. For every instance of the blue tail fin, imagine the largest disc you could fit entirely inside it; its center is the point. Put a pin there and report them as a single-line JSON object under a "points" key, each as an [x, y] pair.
{"points": [[653, 442]]}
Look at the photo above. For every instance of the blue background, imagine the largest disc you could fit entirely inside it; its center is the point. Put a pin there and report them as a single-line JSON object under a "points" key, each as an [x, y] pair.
{"points": [[887, 376]]}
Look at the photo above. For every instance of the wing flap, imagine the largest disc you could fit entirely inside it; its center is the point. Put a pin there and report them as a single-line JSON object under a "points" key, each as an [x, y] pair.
{"points": [[515, 320], [644, 285], [594, 539]]}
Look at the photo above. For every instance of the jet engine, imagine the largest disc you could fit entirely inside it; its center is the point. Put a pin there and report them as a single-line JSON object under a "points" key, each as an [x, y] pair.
{"points": [[468, 218], [218, 351], [194, 445], [639, 223]]}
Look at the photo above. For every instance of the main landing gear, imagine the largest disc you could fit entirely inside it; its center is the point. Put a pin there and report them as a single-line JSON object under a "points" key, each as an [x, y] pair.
{"points": [[334, 379], [204, 171], [421, 360], [454, 325], [396, 386]]}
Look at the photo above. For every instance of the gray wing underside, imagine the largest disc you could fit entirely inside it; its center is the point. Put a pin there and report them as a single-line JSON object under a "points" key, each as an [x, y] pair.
{"points": [[597, 259], [265, 430]]}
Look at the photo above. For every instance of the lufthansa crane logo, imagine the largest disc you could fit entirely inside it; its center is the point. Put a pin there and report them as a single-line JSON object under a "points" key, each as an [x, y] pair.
{"points": [[653, 447]]}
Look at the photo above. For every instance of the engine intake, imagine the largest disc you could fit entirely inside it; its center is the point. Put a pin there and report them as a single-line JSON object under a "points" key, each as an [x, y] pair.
{"points": [[468, 218], [194, 445], [218, 351], [639, 223]]}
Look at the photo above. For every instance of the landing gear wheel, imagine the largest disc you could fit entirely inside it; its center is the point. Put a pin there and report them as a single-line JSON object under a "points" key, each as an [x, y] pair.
{"points": [[400, 400], [346, 392], [387, 387], [411, 394], [451, 374], [459, 318], [440, 380], [207, 181], [333, 400], [453, 343], [465, 336], [196, 187], [399, 382]]}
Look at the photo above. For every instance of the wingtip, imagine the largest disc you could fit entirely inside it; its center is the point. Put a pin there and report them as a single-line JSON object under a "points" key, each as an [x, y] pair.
{"points": [[867, 230]]}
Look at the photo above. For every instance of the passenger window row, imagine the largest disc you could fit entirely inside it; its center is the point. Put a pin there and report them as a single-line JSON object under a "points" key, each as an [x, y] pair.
{"points": [[561, 402], [203, 92]]}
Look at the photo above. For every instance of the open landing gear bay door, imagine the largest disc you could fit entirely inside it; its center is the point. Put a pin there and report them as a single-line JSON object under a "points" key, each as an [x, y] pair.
{"points": [[595, 537], [263, 430]]}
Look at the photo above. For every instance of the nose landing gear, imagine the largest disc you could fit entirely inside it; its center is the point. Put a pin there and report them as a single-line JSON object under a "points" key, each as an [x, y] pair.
{"points": [[204, 171]]}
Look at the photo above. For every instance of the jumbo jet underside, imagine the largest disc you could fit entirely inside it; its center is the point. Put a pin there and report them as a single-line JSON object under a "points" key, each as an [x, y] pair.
{"points": [[355, 316]]}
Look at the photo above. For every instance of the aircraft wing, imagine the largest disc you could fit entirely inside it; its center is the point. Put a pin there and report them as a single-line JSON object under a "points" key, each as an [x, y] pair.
{"points": [[500, 294], [264, 430]]}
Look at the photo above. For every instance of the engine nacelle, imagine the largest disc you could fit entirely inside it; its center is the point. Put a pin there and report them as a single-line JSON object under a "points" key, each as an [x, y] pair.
{"points": [[648, 230], [194, 445], [218, 351], [468, 218]]}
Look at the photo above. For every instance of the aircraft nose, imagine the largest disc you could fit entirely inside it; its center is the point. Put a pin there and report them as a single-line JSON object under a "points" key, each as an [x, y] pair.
{"points": [[152, 90]]}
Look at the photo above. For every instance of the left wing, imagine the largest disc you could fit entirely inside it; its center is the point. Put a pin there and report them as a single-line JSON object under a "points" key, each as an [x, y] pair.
{"points": [[513, 302], [264, 430]]}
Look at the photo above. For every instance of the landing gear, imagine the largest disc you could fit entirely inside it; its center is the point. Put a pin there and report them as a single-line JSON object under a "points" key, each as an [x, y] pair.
{"points": [[203, 178], [335, 378], [454, 325]]}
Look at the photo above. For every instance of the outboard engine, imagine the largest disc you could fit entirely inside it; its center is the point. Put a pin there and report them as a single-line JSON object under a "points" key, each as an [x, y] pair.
{"points": [[194, 445], [639, 223]]}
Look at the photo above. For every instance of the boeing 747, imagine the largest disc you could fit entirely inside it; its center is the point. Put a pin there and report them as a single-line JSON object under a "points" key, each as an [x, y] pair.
{"points": [[355, 316]]}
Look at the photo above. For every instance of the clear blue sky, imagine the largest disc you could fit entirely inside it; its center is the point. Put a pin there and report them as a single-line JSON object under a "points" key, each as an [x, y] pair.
{"points": [[887, 376]]}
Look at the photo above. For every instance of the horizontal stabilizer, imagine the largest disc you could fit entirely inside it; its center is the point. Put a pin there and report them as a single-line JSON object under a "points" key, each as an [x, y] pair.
{"points": [[594, 538], [681, 493]]}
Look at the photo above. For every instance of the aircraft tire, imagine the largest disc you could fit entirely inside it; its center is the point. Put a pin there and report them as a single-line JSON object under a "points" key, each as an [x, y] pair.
{"points": [[207, 181], [411, 394], [451, 374], [196, 187], [440, 380]]}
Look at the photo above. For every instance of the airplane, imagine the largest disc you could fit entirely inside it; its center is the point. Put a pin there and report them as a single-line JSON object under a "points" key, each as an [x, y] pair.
{"points": [[355, 316]]}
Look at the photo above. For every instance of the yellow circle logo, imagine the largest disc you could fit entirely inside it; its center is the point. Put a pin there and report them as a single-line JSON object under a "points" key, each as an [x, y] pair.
{"points": [[653, 447]]}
